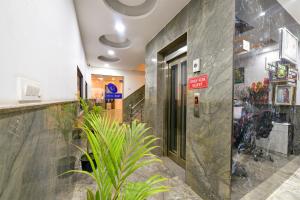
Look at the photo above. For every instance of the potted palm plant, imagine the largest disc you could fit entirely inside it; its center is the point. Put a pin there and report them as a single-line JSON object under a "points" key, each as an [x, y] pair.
{"points": [[64, 117], [119, 150], [88, 108]]}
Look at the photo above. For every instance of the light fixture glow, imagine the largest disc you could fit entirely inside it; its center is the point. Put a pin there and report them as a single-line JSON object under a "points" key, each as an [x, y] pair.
{"points": [[154, 60], [111, 52], [120, 28], [106, 65], [262, 14]]}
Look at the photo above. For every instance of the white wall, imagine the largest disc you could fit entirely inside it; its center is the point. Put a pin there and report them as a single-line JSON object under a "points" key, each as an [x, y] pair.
{"points": [[255, 69], [255, 66], [40, 40], [133, 80]]}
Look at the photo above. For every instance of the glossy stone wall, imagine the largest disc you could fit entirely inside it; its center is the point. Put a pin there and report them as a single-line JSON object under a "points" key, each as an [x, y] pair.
{"points": [[32, 153], [210, 28], [296, 122]]}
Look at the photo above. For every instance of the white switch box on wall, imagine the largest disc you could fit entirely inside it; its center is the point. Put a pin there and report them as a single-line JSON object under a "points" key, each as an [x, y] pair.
{"points": [[28, 90], [196, 65]]}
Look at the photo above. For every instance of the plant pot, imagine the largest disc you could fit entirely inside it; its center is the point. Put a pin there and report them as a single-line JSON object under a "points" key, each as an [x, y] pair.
{"points": [[85, 163], [76, 134], [65, 164]]}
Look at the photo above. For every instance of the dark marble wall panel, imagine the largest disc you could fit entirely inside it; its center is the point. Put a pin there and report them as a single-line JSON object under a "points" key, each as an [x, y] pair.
{"points": [[296, 122], [210, 28], [155, 74], [32, 152]]}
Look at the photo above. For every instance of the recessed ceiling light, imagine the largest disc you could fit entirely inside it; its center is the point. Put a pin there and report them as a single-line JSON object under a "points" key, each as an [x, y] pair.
{"points": [[106, 65], [262, 14], [120, 28], [115, 41], [111, 52], [108, 59], [132, 8]]}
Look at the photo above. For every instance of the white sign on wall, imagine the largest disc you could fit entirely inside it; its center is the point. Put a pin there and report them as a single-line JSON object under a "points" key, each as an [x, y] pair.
{"points": [[289, 46], [246, 45], [196, 65]]}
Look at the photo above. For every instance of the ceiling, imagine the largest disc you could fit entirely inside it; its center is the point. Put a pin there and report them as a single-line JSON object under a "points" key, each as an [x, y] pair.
{"points": [[100, 78], [142, 20], [293, 7]]}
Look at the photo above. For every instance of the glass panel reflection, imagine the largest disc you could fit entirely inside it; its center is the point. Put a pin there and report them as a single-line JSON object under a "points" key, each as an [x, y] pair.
{"points": [[173, 109], [266, 135], [183, 108]]}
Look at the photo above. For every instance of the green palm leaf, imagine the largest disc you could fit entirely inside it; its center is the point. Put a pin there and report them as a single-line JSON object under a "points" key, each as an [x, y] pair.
{"points": [[119, 151]]}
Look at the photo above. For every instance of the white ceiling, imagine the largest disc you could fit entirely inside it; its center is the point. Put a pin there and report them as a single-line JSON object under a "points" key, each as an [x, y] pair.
{"points": [[293, 7], [96, 18]]}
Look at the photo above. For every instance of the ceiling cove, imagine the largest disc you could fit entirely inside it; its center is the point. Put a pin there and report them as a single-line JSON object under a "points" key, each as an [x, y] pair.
{"points": [[132, 8]]}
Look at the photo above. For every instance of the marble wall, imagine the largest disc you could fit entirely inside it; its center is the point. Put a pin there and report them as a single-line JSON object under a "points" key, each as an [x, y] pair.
{"points": [[296, 122], [209, 25], [33, 154]]}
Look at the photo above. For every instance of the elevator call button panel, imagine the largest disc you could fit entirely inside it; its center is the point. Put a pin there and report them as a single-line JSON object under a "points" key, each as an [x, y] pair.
{"points": [[197, 105]]}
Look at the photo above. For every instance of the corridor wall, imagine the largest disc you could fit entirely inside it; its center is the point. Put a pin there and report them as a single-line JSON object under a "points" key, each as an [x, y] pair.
{"points": [[209, 25], [40, 41]]}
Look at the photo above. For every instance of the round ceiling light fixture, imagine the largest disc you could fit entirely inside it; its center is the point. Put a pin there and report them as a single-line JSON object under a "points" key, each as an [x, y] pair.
{"points": [[111, 52], [108, 59], [115, 41], [132, 8]]}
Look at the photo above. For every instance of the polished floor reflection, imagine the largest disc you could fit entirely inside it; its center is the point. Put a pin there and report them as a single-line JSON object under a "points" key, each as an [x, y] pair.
{"points": [[179, 190], [256, 172], [290, 189], [282, 185]]}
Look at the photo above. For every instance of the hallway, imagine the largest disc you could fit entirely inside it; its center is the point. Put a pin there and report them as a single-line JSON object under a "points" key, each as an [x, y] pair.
{"points": [[116, 115], [175, 174]]}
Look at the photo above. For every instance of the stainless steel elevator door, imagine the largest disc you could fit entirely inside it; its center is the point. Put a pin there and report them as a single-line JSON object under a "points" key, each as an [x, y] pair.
{"points": [[177, 110]]}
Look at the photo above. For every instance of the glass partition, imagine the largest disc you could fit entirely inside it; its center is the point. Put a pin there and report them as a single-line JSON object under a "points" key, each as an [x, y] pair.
{"points": [[265, 149]]}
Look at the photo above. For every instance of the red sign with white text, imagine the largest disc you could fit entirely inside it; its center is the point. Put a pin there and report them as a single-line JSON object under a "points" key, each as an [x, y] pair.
{"points": [[198, 82]]}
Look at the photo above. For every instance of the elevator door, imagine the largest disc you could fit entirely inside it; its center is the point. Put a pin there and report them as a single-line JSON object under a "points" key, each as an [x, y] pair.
{"points": [[177, 111]]}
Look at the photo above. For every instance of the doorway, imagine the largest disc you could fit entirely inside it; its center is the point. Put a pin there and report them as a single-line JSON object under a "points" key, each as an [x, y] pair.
{"points": [[177, 100], [108, 93]]}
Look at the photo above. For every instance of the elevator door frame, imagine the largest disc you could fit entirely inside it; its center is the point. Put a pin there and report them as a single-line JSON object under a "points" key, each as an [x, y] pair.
{"points": [[176, 157]]}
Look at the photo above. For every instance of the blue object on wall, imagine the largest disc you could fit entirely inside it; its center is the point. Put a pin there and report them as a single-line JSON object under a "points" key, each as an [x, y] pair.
{"points": [[113, 96], [112, 92], [112, 88]]}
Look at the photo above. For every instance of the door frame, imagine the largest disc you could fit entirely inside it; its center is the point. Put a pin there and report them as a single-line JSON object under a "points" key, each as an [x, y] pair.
{"points": [[180, 55]]}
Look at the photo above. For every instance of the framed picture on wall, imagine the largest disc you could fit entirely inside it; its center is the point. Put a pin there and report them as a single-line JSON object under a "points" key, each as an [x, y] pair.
{"points": [[239, 75], [289, 46], [284, 95]]}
